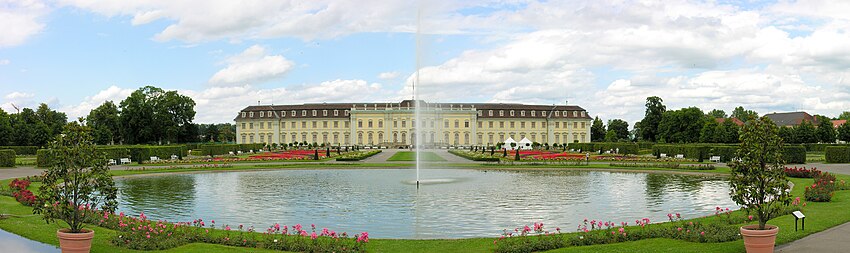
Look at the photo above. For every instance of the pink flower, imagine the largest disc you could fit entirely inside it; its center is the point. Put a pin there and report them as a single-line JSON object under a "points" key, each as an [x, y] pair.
{"points": [[702, 233], [314, 236], [680, 229], [750, 217], [227, 228]]}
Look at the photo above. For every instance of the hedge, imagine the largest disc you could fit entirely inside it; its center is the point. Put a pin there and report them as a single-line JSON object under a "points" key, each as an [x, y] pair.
{"points": [[223, 149], [821, 146], [624, 147], [358, 156], [43, 158], [837, 154], [144, 153], [794, 154], [468, 156], [115, 153], [22, 150], [7, 158]]}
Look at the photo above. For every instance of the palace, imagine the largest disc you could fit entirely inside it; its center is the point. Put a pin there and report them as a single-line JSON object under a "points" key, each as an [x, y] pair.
{"points": [[393, 124]]}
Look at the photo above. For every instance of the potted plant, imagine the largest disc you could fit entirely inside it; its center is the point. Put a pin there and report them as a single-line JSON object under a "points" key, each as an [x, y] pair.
{"points": [[758, 182], [76, 182]]}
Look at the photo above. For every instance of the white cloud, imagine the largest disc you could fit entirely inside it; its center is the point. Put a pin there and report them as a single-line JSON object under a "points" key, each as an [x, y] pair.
{"points": [[388, 75], [17, 99], [250, 67], [112, 93], [20, 20], [18, 95], [5, 62]]}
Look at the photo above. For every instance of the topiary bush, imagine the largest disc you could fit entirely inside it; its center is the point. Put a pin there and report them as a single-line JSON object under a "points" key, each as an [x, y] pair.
{"points": [[837, 154], [794, 154], [7, 158]]}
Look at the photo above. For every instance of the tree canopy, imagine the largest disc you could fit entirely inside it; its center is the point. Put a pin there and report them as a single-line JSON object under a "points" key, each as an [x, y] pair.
{"points": [[649, 126], [681, 126], [597, 130], [152, 115], [743, 115]]}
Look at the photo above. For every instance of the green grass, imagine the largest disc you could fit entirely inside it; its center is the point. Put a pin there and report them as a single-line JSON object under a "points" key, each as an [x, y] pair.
{"points": [[408, 156], [820, 216]]}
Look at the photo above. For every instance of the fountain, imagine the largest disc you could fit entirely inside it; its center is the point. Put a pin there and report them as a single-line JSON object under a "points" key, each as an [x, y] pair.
{"points": [[417, 129]]}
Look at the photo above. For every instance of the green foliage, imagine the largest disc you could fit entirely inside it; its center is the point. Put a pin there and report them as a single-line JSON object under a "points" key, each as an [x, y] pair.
{"points": [[700, 152], [794, 154], [837, 154], [825, 131], [716, 113], [708, 134], [805, 133], [22, 150], [597, 130], [223, 149], [611, 136], [744, 115], [729, 132], [822, 189], [844, 115], [77, 179], [31, 128], [620, 128], [758, 183], [6, 130], [114, 152], [690, 151], [844, 132], [144, 153], [7, 158], [652, 118], [624, 147], [475, 156], [152, 115], [106, 123], [681, 126], [43, 158], [358, 155]]}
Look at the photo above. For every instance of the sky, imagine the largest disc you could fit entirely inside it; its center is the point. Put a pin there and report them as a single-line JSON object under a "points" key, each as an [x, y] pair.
{"points": [[605, 56]]}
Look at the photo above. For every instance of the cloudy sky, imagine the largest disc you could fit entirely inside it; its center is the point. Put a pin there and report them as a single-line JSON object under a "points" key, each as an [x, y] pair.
{"points": [[606, 56]]}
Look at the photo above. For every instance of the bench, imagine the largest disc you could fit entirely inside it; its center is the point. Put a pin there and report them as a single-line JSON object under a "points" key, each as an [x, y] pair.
{"points": [[154, 159], [174, 157], [111, 162], [231, 152], [125, 160], [680, 156], [663, 155], [238, 152], [715, 159]]}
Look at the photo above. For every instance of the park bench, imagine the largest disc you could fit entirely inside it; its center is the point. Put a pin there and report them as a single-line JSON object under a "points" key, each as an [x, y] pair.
{"points": [[154, 159], [231, 152], [680, 156], [174, 157], [112, 162], [715, 159], [663, 155], [125, 160], [239, 152]]}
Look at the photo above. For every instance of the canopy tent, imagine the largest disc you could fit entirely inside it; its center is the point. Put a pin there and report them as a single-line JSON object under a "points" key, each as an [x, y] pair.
{"points": [[524, 144], [508, 142]]}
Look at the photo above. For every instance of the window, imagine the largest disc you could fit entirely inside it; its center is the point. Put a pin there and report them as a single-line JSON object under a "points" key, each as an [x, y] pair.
{"points": [[314, 138], [360, 138], [501, 113], [512, 124], [270, 124], [480, 124], [582, 125], [314, 113], [522, 124], [575, 114], [533, 124], [270, 115], [512, 113], [304, 114], [457, 123], [243, 126], [370, 123], [324, 137], [533, 114], [336, 138], [293, 115], [324, 112], [293, 124], [359, 123], [314, 124], [466, 123], [582, 114], [262, 113], [336, 125], [294, 137], [303, 124], [479, 114], [251, 114], [575, 125], [522, 113], [346, 124], [251, 125], [346, 112], [490, 124], [446, 124], [243, 114], [564, 113], [283, 113], [282, 138], [501, 124], [395, 123], [557, 114], [490, 113], [403, 124], [336, 113], [380, 124], [262, 138], [324, 124], [282, 124], [557, 124], [252, 138], [542, 113]]}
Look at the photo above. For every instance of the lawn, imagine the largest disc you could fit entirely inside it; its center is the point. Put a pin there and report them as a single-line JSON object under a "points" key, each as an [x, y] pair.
{"points": [[408, 156], [821, 216]]}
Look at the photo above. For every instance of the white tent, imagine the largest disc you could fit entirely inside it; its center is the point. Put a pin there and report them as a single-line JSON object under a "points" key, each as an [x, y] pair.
{"points": [[508, 142], [524, 144]]}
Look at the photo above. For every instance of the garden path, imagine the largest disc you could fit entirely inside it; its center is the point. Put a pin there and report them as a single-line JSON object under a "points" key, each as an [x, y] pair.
{"points": [[831, 240]]}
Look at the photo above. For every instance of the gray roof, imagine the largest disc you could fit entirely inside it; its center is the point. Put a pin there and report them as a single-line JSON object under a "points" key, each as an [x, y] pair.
{"points": [[791, 118]]}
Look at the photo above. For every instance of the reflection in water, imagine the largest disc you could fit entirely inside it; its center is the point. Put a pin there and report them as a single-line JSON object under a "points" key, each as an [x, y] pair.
{"points": [[473, 204]]}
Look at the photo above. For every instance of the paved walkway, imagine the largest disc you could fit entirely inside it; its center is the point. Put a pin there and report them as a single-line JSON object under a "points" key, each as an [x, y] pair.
{"points": [[831, 240]]}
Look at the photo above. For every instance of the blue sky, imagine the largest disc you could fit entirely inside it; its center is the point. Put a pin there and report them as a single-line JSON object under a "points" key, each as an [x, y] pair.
{"points": [[604, 56]]}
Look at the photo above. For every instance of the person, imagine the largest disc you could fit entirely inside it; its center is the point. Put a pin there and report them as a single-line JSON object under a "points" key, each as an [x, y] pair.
{"points": [[587, 158]]}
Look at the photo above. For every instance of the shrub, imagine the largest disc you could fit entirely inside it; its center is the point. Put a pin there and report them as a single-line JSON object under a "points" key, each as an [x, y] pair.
{"points": [[794, 154], [837, 154], [822, 189], [474, 156], [43, 158], [358, 155], [144, 153], [114, 152], [801, 172], [22, 150], [7, 158], [697, 152], [624, 147]]}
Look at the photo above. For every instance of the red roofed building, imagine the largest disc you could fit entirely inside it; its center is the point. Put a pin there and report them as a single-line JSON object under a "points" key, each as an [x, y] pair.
{"points": [[838, 123], [734, 120]]}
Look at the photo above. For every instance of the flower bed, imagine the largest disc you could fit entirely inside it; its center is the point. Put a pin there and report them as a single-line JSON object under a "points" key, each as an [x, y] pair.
{"points": [[21, 193], [358, 155], [475, 156], [823, 188], [802, 172], [664, 165]]}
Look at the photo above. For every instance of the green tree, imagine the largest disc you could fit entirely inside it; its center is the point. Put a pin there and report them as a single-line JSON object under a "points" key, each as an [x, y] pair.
{"points": [[844, 116], [708, 134], [597, 130], [611, 136], [152, 115], [743, 115], [758, 182], [716, 113], [105, 120], [844, 132], [787, 134], [6, 130], [825, 131], [805, 133], [652, 118], [730, 132], [681, 126], [620, 127], [54, 120]]}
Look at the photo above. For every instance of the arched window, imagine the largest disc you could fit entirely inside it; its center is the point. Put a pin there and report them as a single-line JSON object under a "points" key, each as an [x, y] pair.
{"points": [[457, 139], [466, 139], [403, 137], [370, 138], [380, 137], [360, 138]]}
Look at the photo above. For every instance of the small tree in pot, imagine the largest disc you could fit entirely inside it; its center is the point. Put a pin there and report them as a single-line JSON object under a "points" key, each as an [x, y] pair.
{"points": [[758, 181], [76, 182]]}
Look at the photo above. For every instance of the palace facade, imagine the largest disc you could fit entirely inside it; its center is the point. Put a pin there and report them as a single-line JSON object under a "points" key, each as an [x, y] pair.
{"points": [[394, 124]]}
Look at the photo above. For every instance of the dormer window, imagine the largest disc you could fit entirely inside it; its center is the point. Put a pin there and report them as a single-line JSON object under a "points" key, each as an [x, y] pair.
{"points": [[314, 113], [251, 114], [512, 113], [283, 113], [346, 112], [261, 114], [501, 113], [304, 113], [564, 113], [582, 114], [542, 113], [557, 114], [324, 112], [270, 114], [490, 113], [480, 113], [522, 113], [293, 113], [533, 113], [575, 114], [243, 115], [336, 112]]}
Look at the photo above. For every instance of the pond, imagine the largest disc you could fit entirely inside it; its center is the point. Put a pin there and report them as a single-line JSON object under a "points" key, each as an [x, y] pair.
{"points": [[453, 203]]}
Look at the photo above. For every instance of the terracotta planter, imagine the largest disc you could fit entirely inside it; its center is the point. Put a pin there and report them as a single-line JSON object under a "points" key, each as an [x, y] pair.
{"points": [[75, 242], [759, 241]]}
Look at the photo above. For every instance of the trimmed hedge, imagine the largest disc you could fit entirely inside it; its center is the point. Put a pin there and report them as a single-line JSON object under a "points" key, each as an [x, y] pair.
{"points": [[466, 155], [7, 158], [223, 149], [359, 156], [144, 153], [115, 153], [837, 154], [22, 150], [793, 154], [625, 147], [821, 146]]}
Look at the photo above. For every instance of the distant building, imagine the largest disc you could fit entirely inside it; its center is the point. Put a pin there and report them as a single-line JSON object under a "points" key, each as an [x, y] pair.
{"points": [[838, 123], [392, 124], [791, 119], [734, 120]]}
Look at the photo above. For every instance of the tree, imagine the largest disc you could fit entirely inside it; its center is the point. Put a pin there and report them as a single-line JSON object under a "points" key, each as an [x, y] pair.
{"points": [[743, 115], [844, 116], [652, 118], [805, 133], [227, 132], [105, 120], [597, 130], [844, 132], [787, 134], [709, 131], [152, 115], [681, 126], [825, 131], [636, 132], [716, 113], [730, 132], [54, 120], [78, 177], [620, 127], [758, 182], [611, 136], [6, 130]]}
